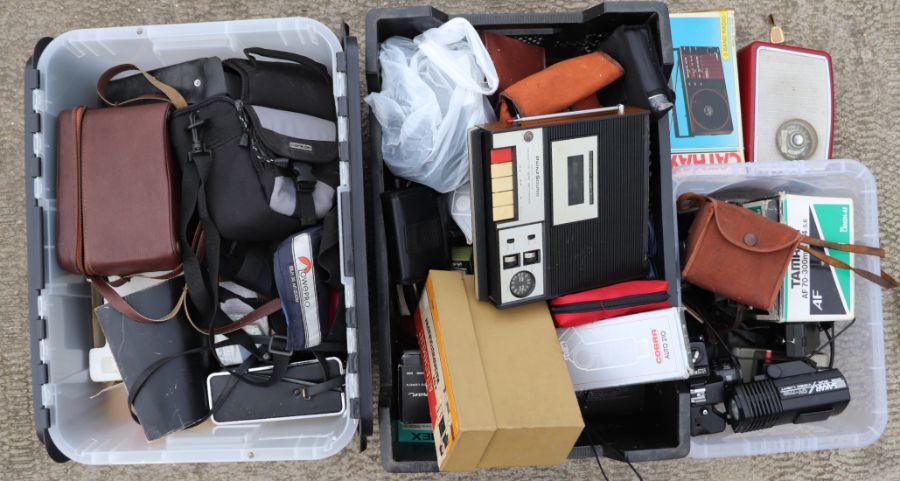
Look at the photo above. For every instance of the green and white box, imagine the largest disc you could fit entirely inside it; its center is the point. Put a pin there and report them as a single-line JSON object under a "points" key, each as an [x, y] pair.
{"points": [[812, 290]]}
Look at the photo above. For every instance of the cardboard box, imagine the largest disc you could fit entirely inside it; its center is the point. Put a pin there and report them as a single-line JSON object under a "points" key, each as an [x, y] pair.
{"points": [[705, 124], [458, 398], [812, 290], [498, 388]]}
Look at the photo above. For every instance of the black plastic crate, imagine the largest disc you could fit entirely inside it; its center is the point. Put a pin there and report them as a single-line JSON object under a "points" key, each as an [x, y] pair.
{"points": [[654, 425]]}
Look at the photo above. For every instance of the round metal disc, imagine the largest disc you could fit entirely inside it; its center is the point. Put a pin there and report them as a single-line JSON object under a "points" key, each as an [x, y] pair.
{"points": [[796, 139]]}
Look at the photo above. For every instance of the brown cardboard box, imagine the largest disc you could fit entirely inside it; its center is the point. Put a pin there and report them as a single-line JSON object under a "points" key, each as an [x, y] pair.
{"points": [[535, 419], [458, 398]]}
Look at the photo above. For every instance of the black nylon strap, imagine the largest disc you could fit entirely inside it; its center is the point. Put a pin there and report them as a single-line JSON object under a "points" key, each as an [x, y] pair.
{"points": [[138, 384], [203, 164], [305, 183], [225, 295], [306, 209], [229, 388], [193, 198], [203, 290]]}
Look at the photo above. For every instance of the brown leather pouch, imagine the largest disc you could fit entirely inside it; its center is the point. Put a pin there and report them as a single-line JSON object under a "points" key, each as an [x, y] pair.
{"points": [[743, 256], [117, 186], [559, 86]]}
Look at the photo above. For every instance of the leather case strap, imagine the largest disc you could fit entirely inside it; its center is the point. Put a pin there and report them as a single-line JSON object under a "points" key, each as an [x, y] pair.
{"points": [[885, 280], [126, 309], [267, 309], [171, 95]]}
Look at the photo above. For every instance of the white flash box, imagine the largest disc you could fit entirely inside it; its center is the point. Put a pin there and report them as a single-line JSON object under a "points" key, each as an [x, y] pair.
{"points": [[637, 349]]}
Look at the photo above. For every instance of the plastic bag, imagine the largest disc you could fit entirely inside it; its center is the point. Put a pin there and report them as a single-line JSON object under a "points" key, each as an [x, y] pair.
{"points": [[434, 89]]}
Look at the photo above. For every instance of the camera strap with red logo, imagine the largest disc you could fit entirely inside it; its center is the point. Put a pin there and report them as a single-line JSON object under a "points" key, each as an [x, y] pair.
{"points": [[611, 301]]}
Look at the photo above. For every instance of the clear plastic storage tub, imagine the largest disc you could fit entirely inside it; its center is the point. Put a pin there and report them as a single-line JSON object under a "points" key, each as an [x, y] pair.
{"points": [[859, 351], [71, 419]]}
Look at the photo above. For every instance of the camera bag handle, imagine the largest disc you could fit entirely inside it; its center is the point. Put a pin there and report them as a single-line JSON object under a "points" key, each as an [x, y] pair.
{"points": [[290, 57]]}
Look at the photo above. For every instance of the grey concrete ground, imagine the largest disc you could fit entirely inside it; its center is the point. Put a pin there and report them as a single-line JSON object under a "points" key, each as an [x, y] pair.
{"points": [[862, 37]]}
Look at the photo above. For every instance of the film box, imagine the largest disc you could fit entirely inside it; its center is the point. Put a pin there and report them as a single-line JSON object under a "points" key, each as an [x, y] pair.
{"points": [[498, 390], [814, 291], [415, 424], [413, 396], [705, 123]]}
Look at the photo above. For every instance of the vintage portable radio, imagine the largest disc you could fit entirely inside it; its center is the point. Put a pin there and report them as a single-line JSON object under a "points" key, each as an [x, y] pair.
{"points": [[559, 205], [787, 97]]}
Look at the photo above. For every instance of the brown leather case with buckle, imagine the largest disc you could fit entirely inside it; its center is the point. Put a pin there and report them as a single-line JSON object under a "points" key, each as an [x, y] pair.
{"points": [[743, 256], [116, 188]]}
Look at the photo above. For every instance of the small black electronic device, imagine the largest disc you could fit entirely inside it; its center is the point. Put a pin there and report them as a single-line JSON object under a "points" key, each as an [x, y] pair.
{"points": [[415, 226], [644, 83], [559, 205], [707, 385]]}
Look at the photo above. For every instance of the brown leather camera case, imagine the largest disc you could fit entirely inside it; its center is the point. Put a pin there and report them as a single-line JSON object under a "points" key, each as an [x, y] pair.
{"points": [[116, 195], [737, 253]]}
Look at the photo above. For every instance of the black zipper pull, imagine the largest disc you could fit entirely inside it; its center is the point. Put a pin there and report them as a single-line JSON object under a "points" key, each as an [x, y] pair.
{"points": [[245, 140]]}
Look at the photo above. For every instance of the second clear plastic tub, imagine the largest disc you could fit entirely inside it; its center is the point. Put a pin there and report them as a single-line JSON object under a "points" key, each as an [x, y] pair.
{"points": [[859, 351]]}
